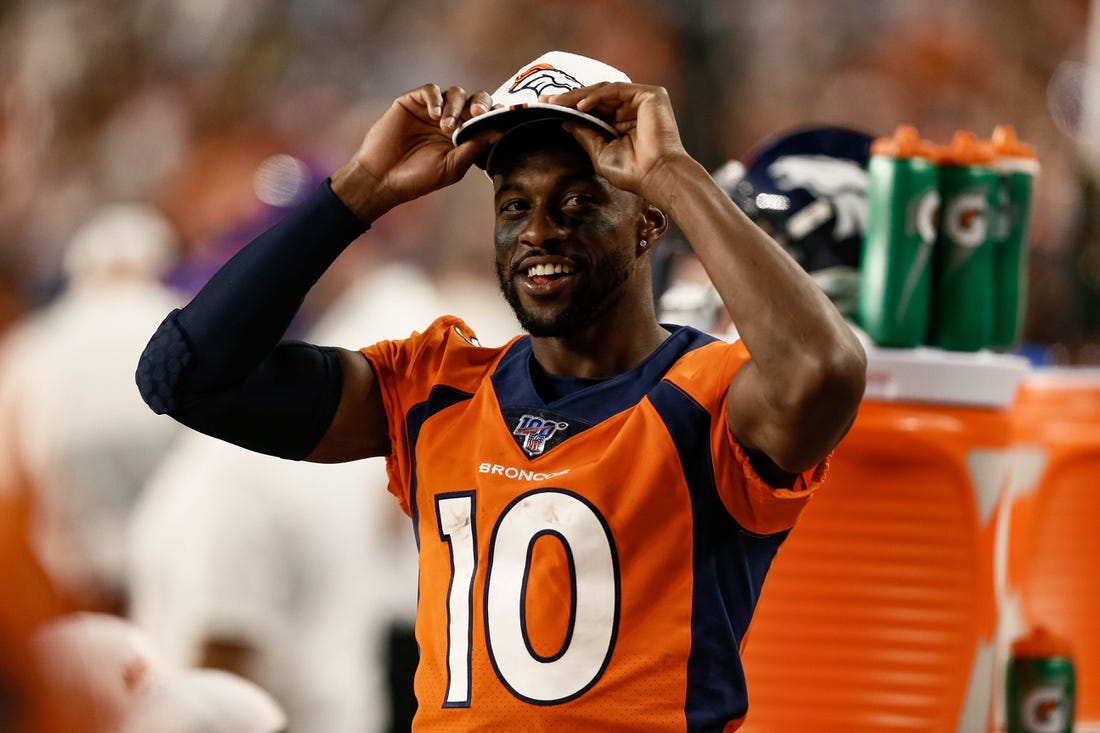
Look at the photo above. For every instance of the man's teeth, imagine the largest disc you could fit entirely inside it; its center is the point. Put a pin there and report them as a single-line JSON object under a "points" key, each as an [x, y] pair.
{"points": [[556, 269]]}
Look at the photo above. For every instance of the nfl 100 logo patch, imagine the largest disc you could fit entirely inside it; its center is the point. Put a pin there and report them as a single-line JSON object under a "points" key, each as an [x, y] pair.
{"points": [[536, 431]]}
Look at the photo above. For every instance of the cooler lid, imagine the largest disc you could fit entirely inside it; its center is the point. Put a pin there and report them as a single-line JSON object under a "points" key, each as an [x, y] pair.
{"points": [[1065, 377], [927, 374]]}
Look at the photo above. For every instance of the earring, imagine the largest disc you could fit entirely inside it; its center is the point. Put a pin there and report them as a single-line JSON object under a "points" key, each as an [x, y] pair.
{"points": [[642, 244]]}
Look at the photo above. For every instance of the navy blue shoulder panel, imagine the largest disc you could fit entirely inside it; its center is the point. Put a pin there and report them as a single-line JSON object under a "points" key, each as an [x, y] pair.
{"points": [[729, 568], [440, 398]]}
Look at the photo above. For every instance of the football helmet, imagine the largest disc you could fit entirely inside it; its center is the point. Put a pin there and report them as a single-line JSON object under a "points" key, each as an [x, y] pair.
{"points": [[808, 189]]}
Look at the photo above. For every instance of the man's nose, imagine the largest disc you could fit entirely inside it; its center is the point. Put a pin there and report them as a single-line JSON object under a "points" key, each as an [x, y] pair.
{"points": [[544, 227]]}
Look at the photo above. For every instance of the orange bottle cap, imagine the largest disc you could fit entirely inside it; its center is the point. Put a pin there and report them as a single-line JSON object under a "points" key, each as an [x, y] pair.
{"points": [[904, 143], [967, 149], [1040, 643], [1006, 144]]}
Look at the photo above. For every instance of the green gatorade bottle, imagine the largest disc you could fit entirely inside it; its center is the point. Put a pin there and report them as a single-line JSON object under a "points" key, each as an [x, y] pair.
{"points": [[1040, 685], [962, 267], [1017, 166], [896, 264]]}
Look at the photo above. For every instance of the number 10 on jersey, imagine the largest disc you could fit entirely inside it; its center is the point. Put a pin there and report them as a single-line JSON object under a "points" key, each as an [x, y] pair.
{"points": [[585, 538]]}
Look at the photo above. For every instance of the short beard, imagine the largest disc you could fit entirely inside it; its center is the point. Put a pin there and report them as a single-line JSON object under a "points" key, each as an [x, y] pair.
{"points": [[585, 309]]}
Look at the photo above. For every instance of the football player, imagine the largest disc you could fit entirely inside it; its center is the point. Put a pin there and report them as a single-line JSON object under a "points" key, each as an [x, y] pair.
{"points": [[596, 503]]}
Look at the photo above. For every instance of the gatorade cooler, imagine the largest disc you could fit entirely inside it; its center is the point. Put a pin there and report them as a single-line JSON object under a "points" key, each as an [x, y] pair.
{"points": [[1053, 575], [879, 613]]}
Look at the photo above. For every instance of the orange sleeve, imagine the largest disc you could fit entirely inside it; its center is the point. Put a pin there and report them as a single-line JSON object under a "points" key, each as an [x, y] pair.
{"points": [[756, 505], [406, 370], [446, 353]]}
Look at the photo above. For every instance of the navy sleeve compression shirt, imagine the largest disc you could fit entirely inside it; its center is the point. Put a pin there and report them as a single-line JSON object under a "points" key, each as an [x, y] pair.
{"points": [[218, 365]]}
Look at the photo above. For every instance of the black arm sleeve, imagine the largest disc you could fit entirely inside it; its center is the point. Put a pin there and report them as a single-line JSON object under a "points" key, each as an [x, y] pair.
{"points": [[218, 366]]}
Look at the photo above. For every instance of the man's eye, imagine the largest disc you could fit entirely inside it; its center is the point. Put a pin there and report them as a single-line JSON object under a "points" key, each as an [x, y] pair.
{"points": [[511, 205], [578, 199]]}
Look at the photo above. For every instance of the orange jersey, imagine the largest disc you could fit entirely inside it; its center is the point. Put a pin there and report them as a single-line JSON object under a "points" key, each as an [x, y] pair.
{"points": [[586, 564]]}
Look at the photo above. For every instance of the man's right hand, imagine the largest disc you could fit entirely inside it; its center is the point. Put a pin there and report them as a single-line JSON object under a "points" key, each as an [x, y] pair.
{"points": [[408, 152]]}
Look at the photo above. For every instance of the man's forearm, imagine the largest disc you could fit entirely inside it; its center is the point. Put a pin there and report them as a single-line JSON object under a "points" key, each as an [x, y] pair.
{"points": [[798, 396], [770, 298], [246, 307]]}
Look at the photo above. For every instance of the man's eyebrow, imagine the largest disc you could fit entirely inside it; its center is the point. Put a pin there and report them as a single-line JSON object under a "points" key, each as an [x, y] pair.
{"points": [[507, 188]]}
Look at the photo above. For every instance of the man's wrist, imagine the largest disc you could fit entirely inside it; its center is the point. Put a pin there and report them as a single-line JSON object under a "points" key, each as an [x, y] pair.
{"points": [[660, 186], [360, 191]]}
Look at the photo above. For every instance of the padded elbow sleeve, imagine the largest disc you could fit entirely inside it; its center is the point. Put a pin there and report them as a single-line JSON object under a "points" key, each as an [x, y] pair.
{"points": [[282, 409], [162, 363]]}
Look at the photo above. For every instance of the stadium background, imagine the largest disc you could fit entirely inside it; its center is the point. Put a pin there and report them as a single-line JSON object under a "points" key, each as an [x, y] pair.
{"points": [[170, 99]]}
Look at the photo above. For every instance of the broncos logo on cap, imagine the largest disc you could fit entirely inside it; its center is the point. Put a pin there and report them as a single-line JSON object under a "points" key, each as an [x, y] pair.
{"points": [[543, 77]]}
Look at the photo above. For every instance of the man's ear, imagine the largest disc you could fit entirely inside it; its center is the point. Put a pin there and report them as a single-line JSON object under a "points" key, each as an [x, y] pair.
{"points": [[654, 222]]}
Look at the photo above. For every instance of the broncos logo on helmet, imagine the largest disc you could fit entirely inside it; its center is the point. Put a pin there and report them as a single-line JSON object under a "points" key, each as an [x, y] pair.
{"points": [[808, 189], [838, 181], [543, 77]]}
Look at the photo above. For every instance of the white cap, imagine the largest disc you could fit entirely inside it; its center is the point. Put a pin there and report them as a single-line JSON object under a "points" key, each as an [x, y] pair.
{"points": [[555, 72], [204, 701]]}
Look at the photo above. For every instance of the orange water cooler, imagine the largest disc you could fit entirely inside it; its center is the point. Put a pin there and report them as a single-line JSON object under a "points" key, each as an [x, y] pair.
{"points": [[1052, 533], [880, 613]]}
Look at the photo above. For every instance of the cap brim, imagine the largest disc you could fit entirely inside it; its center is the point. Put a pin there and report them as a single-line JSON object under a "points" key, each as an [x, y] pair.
{"points": [[505, 119]]}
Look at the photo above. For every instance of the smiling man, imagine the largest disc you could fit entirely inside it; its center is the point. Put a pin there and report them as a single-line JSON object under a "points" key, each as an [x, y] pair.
{"points": [[596, 503]]}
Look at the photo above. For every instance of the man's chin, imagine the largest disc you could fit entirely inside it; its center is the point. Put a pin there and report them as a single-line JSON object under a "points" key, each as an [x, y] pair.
{"points": [[555, 324], [561, 325], [540, 328]]}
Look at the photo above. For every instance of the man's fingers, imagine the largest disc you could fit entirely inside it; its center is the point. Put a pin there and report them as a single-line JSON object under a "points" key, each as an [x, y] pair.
{"points": [[458, 106], [587, 137], [480, 103], [454, 102], [604, 96], [465, 154], [431, 97], [573, 97]]}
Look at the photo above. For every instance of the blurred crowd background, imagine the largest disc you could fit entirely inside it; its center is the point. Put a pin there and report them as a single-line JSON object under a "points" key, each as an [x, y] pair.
{"points": [[177, 102], [143, 141]]}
